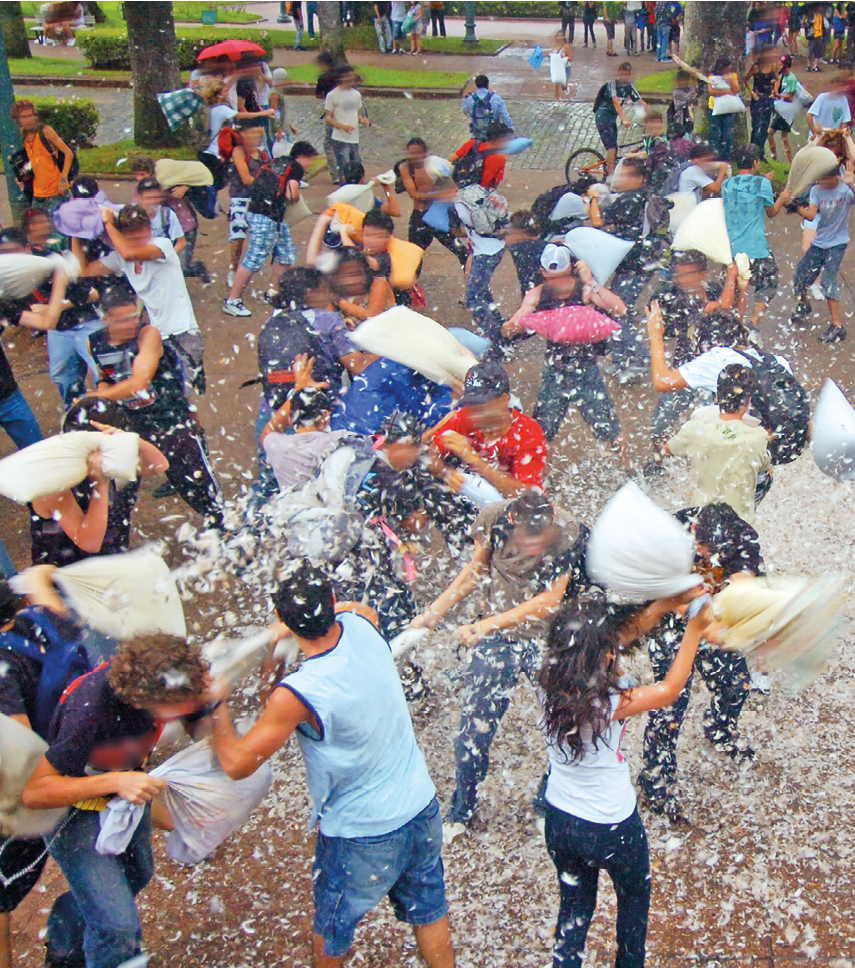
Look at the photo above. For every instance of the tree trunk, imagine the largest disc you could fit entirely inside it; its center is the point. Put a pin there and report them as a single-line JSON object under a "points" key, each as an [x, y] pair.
{"points": [[332, 34], [96, 11], [14, 30], [10, 135], [154, 68], [715, 30]]}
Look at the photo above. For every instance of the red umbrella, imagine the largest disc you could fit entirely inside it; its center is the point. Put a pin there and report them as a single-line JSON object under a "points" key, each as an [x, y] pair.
{"points": [[233, 49]]}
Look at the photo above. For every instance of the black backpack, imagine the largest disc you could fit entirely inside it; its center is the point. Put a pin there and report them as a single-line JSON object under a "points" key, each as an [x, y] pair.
{"points": [[782, 406], [469, 169], [602, 97], [20, 162], [267, 195]]}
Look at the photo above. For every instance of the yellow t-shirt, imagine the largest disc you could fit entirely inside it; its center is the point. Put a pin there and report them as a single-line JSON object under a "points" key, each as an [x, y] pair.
{"points": [[726, 457], [726, 77]]}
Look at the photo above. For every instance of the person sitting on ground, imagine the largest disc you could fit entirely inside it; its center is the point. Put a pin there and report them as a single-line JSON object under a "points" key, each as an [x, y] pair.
{"points": [[352, 682], [727, 454], [570, 374], [522, 553], [487, 437], [104, 730], [697, 177]]}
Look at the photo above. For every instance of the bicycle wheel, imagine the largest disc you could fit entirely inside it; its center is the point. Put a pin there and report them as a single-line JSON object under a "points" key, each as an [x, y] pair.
{"points": [[585, 161]]}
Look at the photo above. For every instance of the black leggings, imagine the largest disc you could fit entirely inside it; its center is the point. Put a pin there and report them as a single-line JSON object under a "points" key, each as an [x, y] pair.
{"points": [[589, 28], [421, 234]]}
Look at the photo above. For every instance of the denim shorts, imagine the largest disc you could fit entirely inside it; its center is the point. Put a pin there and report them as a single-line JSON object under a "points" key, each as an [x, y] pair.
{"points": [[238, 227], [608, 133], [268, 238], [352, 875]]}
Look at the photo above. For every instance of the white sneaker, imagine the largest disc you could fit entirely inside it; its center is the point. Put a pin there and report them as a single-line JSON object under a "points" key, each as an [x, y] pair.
{"points": [[817, 293], [235, 307], [71, 43], [230, 278], [451, 831], [304, 184], [760, 682]]}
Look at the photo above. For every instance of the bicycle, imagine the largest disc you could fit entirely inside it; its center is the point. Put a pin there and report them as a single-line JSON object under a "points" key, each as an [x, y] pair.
{"points": [[590, 162]]}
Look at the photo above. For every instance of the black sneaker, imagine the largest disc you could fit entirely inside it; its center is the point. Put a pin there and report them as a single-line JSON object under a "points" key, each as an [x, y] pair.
{"points": [[166, 489], [834, 334], [58, 961], [802, 313]]}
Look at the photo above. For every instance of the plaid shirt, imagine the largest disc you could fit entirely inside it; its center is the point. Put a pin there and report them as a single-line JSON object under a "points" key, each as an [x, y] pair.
{"points": [[179, 106]]}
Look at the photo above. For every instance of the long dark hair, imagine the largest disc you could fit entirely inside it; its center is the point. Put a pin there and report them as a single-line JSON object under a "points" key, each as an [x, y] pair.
{"points": [[580, 673]]}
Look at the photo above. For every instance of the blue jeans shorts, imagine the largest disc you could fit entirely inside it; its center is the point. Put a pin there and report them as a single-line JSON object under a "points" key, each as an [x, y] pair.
{"points": [[268, 238], [352, 875], [817, 260]]}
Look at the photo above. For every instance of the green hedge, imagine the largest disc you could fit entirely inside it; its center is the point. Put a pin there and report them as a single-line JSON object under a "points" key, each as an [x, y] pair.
{"points": [[106, 48], [495, 8], [75, 119]]}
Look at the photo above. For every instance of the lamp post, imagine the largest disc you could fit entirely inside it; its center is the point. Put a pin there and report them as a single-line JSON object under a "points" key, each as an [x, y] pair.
{"points": [[283, 17], [10, 134], [470, 37]]}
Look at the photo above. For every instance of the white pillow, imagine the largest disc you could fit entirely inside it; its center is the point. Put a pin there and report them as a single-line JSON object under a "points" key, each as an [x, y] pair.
{"points": [[58, 463], [21, 273], [603, 252], [705, 229], [639, 551], [415, 341], [359, 196], [832, 441]]}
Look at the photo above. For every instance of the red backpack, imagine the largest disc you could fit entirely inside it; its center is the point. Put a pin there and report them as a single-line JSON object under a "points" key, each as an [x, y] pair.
{"points": [[227, 140]]}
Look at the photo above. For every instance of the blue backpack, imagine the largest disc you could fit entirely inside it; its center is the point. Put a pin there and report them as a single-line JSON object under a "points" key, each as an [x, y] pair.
{"points": [[35, 635]]}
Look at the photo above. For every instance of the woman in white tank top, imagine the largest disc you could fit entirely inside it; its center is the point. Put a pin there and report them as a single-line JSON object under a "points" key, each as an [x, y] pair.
{"points": [[560, 65], [592, 821]]}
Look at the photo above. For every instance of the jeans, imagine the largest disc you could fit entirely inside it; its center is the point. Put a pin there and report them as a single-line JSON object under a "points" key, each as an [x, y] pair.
{"points": [[726, 676], [346, 154], [7, 566], [629, 36], [352, 875], [329, 154], [437, 19], [663, 37], [589, 28], [568, 27], [761, 117], [817, 260], [50, 203], [69, 359], [311, 14], [721, 134], [422, 234], [383, 30], [479, 299], [298, 40], [629, 350], [104, 887], [565, 381], [580, 849], [493, 672], [18, 420]]}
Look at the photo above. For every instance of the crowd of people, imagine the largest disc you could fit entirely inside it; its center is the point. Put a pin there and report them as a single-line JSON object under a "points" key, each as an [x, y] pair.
{"points": [[363, 459]]}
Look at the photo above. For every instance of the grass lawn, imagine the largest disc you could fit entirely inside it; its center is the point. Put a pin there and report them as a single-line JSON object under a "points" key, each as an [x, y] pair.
{"points": [[660, 82], [387, 77], [183, 12], [116, 157], [375, 76]]}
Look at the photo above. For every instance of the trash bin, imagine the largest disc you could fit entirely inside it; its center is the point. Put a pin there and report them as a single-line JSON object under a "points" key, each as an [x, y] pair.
{"points": [[209, 17]]}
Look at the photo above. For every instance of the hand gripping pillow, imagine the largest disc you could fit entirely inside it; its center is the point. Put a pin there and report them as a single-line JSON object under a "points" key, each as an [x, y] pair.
{"points": [[603, 252], [571, 324], [58, 463]]}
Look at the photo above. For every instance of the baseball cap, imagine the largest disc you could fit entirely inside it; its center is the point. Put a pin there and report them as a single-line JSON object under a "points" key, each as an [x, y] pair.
{"points": [[401, 425], [556, 258], [484, 383]]}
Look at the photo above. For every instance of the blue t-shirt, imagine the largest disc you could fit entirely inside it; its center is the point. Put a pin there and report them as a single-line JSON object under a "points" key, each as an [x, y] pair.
{"points": [[745, 200], [833, 204]]}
